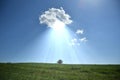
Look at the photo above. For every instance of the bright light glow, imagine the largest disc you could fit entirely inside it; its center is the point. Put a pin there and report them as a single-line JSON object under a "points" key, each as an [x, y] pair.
{"points": [[57, 44], [94, 3], [58, 25]]}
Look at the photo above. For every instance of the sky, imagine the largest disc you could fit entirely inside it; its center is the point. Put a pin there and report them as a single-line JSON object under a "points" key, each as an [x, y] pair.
{"points": [[91, 33]]}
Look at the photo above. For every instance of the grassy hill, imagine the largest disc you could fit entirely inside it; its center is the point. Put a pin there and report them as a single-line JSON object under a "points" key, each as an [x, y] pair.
{"points": [[37, 71]]}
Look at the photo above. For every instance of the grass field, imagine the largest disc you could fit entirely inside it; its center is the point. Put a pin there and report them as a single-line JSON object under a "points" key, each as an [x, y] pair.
{"points": [[37, 71]]}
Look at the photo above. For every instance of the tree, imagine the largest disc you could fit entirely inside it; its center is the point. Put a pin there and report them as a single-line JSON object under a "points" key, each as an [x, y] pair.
{"points": [[59, 61]]}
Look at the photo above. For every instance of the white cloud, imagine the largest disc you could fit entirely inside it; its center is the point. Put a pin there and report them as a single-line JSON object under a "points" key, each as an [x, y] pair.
{"points": [[74, 42], [52, 15], [84, 39], [77, 42], [80, 31]]}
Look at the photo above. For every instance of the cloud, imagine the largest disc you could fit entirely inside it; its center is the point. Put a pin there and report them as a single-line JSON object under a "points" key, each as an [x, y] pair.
{"points": [[74, 42], [80, 31], [84, 39], [77, 42], [52, 15]]}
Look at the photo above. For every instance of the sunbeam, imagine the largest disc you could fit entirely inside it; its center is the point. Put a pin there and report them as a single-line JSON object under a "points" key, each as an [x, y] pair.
{"points": [[57, 46]]}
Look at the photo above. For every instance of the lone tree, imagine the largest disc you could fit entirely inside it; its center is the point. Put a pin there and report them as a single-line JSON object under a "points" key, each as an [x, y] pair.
{"points": [[59, 61]]}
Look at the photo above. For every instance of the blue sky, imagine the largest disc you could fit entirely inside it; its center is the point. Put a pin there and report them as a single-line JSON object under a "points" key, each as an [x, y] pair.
{"points": [[22, 36]]}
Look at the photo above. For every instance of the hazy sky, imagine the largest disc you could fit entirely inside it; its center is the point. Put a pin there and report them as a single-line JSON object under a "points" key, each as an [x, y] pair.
{"points": [[20, 30]]}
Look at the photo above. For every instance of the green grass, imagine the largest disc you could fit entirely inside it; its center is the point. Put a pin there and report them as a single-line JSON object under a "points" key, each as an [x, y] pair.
{"points": [[37, 71]]}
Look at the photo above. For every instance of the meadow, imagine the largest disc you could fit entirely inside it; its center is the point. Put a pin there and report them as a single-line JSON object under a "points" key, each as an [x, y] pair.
{"points": [[40, 71]]}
